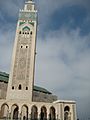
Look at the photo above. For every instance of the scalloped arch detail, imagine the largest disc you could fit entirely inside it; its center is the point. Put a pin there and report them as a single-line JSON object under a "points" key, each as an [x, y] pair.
{"points": [[26, 28]]}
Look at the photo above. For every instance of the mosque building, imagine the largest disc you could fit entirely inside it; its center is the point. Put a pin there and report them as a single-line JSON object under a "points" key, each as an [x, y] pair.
{"points": [[19, 98]]}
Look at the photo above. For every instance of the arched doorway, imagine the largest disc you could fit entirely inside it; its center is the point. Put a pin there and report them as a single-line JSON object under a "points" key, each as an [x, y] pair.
{"points": [[34, 113], [43, 115], [52, 115], [67, 113], [4, 112], [15, 111], [24, 112]]}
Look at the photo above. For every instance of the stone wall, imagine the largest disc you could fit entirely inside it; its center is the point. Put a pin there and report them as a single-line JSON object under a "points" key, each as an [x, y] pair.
{"points": [[3, 89], [43, 97], [37, 96]]}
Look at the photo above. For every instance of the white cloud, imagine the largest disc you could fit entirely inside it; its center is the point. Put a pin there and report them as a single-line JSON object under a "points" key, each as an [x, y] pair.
{"points": [[11, 8], [63, 65], [47, 7], [62, 56], [6, 45]]}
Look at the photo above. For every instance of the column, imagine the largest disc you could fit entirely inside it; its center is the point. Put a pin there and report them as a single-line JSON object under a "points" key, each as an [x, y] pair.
{"points": [[56, 113], [10, 113], [62, 111], [19, 113], [74, 111], [39, 112], [48, 112], [29, 114], [9, 116]]}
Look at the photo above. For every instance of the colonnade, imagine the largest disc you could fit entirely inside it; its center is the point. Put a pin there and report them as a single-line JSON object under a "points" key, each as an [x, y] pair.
{"points": [[25, 112]]}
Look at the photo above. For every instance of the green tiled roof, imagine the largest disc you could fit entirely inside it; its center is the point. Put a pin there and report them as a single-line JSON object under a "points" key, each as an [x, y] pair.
{"points": [[4, 77], [40, 89]]}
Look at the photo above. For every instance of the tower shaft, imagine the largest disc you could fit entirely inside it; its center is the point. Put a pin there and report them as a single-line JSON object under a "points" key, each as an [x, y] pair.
{"points": [[23, 60]]}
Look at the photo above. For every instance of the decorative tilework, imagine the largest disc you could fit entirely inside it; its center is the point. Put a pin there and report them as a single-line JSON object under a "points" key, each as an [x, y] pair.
{"points": [[31, 23], [27, 16], [26, 28], [21, 23]]}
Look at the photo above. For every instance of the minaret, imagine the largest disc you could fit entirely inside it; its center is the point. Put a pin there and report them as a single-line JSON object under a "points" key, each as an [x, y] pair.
{"points": [[21, 79]]}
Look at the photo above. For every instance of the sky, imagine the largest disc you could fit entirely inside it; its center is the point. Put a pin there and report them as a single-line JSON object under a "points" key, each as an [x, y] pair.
{"points": [[63, 47]]}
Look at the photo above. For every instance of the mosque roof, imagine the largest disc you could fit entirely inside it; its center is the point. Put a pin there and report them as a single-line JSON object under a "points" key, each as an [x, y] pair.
{"points": [[4, 77]]}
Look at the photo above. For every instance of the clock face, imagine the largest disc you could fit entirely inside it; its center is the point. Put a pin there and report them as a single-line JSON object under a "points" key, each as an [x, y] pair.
{"points": [[27, 15]]}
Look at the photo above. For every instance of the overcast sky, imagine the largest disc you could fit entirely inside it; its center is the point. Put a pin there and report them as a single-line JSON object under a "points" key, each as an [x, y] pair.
{"points": [[63, 47]]}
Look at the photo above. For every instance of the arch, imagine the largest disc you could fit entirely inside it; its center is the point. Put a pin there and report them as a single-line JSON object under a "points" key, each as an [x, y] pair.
{"points": [[4, 112], [34, 113], [66, 113], [4, 104], [26, 88], [26, 28], [67, 108], [19, 87], [20, 32], [15, 111], [12, 87], [43, 114], [24, 112], [52, 115], [31, 32]]}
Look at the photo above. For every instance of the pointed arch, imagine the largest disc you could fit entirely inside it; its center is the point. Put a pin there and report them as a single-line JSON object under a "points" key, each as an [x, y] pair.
{"points": [[20, 87], [15, 111], [34, 113], [4, 112], [24, 112], [52, 115], [26, 28], [43, 114], [66, 113], [67, 108]]}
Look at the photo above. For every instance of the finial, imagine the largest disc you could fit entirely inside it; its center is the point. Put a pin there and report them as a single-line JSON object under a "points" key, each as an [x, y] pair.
{"points": [[29, 0]]}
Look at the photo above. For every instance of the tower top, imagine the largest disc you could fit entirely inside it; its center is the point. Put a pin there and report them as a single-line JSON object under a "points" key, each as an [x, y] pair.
{"points": [[29, 5], [29, 1]]}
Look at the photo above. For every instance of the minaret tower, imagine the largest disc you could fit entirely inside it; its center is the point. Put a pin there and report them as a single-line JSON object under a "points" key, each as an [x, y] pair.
{"points": [[21, 78]]}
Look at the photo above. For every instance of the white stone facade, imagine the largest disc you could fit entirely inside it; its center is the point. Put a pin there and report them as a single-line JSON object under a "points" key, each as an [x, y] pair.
{"points": [[57, 107], [18, 103], [23, 60]]}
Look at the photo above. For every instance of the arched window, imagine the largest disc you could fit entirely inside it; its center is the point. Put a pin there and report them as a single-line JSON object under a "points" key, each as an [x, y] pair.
{"points": [[15, 110], [24, 111], [66, 113], [4, 111], [43, 114], [26, 88], [67, 108], [52, 114], [26, 46], [12, 87], [20, 32], [21, 46], [20, 87], [31, 32], [34, 113]]}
